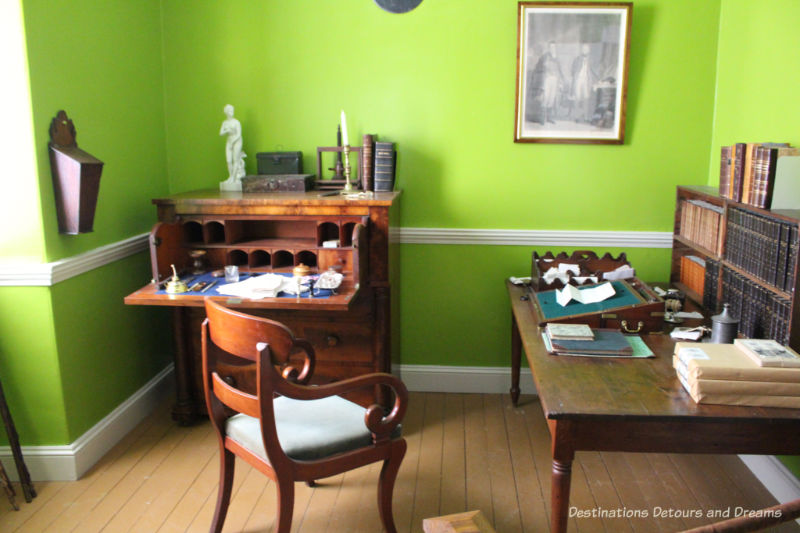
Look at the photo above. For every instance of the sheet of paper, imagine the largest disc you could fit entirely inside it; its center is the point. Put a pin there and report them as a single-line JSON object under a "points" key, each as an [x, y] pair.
{"points": [[588, 295], [553, 274], [691, 334], [621, 272], [257, 287]]}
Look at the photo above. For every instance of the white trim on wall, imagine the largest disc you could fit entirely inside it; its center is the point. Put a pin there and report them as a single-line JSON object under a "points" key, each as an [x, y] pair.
{"points": [[71, 461], [511, 237], [31, 274]]}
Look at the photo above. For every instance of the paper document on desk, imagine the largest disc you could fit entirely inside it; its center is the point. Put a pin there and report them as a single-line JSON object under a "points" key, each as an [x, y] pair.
{"points": [[621, 272], [265, 286], [588, 295]]}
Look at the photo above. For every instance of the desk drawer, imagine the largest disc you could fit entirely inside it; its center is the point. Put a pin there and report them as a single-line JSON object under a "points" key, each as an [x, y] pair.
{"points": [[340, 342]]}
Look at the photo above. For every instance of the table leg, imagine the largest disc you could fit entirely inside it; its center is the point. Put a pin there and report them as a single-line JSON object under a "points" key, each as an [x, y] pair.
{"points": [[559, 497], [563, 455], [516, 359], [184, 410]]}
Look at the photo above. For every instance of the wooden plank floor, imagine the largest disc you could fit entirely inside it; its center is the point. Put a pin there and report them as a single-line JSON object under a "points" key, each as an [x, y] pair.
{"points": [[466, 452]]}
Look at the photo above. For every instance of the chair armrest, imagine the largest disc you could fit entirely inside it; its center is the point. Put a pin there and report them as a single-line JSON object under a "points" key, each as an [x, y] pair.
{"points": [[381, 426], [291, 374]]}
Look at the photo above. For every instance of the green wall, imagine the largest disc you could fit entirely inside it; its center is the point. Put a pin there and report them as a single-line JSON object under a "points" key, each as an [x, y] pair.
{"points": [[439, 81], [757, 80], [71, 353], [101, 63], [758, 76]]}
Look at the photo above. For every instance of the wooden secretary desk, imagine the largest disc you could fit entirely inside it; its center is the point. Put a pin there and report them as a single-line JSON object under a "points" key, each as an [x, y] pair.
{"points": [[351, 330]]}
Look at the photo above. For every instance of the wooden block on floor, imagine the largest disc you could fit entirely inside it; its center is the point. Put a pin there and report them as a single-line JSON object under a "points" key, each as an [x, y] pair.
{"points": [[469, 522]]}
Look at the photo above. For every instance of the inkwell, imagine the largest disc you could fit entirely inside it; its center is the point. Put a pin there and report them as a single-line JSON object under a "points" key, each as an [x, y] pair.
{"points": [[724, 327], [175, 285]]}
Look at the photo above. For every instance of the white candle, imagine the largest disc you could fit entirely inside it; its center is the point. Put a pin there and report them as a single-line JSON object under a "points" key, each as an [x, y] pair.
{"points": [[344, 130]]}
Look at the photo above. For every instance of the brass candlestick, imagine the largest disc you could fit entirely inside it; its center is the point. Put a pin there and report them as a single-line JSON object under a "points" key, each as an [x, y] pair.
{"points": [[348, 187]]}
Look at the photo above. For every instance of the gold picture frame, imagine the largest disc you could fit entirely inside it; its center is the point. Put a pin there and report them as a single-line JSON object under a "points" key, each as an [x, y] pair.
{"points": [[572, 72]]}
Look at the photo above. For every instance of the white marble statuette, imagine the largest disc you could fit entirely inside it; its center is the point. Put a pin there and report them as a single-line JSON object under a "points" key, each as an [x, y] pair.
{"points": [[233, 151]]}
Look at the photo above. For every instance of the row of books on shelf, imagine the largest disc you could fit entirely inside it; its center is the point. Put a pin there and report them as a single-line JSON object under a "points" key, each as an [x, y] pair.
{"points": [[701, 223], [753, 372], [764, 246], [693, 271], [747, 171], [762, 313]]}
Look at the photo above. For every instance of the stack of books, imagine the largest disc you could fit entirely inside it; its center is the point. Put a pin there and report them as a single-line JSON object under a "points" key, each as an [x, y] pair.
{"points": [[581, 340], [754, 372], [701, 223], [747, 171], [762, 245]]}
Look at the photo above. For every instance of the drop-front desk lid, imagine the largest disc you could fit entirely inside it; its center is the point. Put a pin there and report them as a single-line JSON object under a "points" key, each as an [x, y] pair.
{"points": [[151, 294]]}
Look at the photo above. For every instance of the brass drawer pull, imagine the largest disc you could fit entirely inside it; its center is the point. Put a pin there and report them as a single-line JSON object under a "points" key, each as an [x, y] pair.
{"points": [[625, 329]]}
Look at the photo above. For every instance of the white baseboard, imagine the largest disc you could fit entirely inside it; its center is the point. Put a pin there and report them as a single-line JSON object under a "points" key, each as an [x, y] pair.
{"points": [[70, 462], [774, 475], [477, 379]]}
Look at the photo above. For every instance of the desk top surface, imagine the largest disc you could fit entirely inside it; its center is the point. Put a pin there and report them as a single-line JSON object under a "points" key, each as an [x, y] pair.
{"points": [[311, 198], [619, 388]]}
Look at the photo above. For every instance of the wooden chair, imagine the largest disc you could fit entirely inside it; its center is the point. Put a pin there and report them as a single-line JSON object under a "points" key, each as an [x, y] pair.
{"points": [[285, 428]]}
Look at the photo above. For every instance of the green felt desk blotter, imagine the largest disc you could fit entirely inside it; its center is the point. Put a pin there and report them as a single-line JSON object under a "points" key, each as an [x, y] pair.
{"points": [[634, 303]]}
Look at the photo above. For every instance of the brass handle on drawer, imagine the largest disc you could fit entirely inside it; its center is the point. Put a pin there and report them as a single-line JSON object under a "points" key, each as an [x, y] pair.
{"points": [[332, 340], [625, 329]]}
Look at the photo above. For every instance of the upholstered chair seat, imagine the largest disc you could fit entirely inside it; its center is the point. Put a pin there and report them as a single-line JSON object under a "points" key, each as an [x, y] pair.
{"points": [[307, 429]]}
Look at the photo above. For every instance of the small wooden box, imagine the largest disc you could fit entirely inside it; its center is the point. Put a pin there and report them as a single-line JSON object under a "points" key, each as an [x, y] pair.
{"points": [[469, 522], [635, 303], [280, 162], [588, 262]]}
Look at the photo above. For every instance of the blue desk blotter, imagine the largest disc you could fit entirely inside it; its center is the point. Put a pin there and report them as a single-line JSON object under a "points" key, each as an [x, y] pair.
{"points": [[552, 309], [208, 278]]}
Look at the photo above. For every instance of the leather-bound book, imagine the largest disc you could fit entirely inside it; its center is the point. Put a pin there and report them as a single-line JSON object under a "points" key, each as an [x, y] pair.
{"points": [[385, 160], [725, 165], [367, 159], [738, 172]]}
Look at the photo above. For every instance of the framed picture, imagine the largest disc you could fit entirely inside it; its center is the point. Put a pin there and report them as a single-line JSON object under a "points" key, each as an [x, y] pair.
{"points": [[572, 72]]}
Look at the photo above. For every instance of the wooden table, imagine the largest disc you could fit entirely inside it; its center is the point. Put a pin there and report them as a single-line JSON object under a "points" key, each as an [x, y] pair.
{"points": [[633, 405]]}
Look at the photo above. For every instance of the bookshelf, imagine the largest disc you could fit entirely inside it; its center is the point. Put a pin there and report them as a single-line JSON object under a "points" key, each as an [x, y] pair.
{"points": [[744, 255]]}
